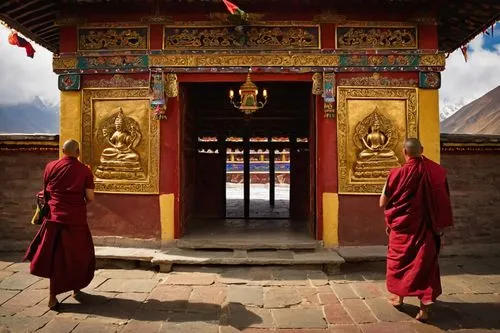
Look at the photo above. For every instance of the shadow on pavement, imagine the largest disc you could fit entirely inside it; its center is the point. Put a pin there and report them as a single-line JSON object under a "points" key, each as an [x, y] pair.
{"points": [[458, 316], [232, 314]]}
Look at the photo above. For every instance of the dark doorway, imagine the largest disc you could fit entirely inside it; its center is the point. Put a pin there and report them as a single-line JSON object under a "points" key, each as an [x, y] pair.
{"points": [[248, 168]]}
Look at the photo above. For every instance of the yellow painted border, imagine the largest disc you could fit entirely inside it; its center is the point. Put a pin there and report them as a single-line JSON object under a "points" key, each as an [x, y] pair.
{"points": [[167, 216], [330, 219], [429, 131], [70, 117]]}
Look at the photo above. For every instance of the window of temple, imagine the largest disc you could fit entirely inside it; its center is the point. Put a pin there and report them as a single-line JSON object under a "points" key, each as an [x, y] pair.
{"points": [[234, 139], [259, 139], [208, 151], [207, 139], [280, 139]]}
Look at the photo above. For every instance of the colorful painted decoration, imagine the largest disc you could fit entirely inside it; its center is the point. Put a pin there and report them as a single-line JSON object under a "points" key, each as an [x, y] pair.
{"points": [[15, 39], [329, 88], [69, 82], [158, 100], [429, 80]]}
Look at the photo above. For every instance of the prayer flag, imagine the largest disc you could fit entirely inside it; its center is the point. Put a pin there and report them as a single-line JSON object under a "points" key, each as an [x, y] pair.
{"points": [[15, 39]]}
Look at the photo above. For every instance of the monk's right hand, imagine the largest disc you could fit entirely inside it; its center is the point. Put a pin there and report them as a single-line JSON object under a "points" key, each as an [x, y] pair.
{"points": [[387, 231]]}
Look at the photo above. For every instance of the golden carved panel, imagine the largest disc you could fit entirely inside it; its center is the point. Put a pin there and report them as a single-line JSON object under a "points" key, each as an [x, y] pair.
{"points": [[253, 37], [218, 60], [116, 81], [117, 38], [278, 59], [120, 140], [372, 124], [376, 37]]}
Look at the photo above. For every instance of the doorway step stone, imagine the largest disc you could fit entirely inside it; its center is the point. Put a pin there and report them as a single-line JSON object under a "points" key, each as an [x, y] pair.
{"points": [[225, 243], [166, 258]]}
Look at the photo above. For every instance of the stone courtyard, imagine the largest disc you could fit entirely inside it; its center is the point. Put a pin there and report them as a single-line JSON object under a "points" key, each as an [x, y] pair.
{"points": [[256, 299]]}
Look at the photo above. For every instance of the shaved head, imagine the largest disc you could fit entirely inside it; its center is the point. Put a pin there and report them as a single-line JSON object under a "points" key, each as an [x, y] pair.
{"points": [[413, 147], [71, 148]]}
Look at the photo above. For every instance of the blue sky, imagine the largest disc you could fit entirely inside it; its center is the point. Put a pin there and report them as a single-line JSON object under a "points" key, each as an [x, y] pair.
{"points": [[491, 42], [23, 78]]}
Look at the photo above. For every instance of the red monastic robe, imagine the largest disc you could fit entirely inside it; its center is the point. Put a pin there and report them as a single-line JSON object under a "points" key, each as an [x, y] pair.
{"points": [[63, 249], [418, 208]]}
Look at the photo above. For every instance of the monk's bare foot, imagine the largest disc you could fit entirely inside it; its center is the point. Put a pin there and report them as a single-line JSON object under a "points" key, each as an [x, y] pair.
{"points": [[53, 302], [423, 313], [396, 301]]}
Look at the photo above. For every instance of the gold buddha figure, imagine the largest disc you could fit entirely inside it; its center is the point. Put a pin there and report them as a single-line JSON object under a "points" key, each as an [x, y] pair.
{"points": [[120, 161], [376, 138]]}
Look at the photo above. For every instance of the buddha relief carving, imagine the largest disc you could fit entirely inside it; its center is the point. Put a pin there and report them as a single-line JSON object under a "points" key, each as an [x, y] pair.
{"points": [[375, 136], [120, 135]]}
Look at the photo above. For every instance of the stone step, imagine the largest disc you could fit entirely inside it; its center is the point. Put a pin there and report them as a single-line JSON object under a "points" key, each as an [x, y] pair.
{"points": [[246, 244], [175, 256]]}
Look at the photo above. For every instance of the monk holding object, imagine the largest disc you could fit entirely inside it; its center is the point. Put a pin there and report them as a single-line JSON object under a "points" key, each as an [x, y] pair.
{"points": [[63, 250], [417, 209]]}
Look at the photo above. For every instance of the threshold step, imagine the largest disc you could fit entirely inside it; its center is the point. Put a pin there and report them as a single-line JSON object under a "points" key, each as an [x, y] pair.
{"points": [[246, 244], [176, 256], [248, 257]]}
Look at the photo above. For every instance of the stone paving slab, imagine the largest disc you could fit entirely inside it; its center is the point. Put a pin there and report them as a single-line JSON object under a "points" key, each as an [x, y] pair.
{"points": [[4, 274], [254, 300], [20, 324], [5, 295], [241, 317], [300, 318], [26, 298], [128, 285], [18, 281], [246, 295], [191, 279], [281, 297], [60, 325]]}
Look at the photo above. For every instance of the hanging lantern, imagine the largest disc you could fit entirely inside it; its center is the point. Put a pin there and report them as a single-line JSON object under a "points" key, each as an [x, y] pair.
{"points": [[248, 92]]}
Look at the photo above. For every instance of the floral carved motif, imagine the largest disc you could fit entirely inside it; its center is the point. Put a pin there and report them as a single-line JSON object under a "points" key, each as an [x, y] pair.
{"points": [[377, 37], [253, 37], [377, 80], [116, 81], [91, 39]]}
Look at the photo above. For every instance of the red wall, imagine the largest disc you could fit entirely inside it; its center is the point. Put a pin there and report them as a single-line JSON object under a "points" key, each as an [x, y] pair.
{"points": [[326, 166], [126, 215]]}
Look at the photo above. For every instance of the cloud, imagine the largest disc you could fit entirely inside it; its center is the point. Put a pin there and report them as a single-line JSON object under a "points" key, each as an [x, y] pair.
{"points": [[463, 82], [23, 78]]}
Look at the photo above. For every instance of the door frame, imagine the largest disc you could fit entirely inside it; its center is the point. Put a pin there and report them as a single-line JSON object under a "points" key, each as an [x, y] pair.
{"points": [[315, 223]]}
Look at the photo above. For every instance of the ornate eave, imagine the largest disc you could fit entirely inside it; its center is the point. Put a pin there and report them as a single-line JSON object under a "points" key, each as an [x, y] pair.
{"points": [[458, 21], [240, 62]]}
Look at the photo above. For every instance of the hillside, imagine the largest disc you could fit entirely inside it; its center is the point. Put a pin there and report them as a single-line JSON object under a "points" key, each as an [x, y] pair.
{"points": [[33, 117], [481, 116]]}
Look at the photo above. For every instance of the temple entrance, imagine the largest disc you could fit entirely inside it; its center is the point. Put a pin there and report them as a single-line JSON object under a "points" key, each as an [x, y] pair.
{"points": [[244, 175], [265, 193]]}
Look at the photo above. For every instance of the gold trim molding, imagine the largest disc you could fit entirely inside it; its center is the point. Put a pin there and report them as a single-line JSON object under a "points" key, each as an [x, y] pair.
{"points": [[377, 80], [384, 104], [278, 59], [64, 63], [116, 81], [98, 113], [221, 60]]}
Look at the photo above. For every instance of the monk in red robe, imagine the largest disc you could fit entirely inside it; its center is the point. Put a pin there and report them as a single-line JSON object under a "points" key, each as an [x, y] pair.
{"points": [[417, 209], [63, 250]]}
